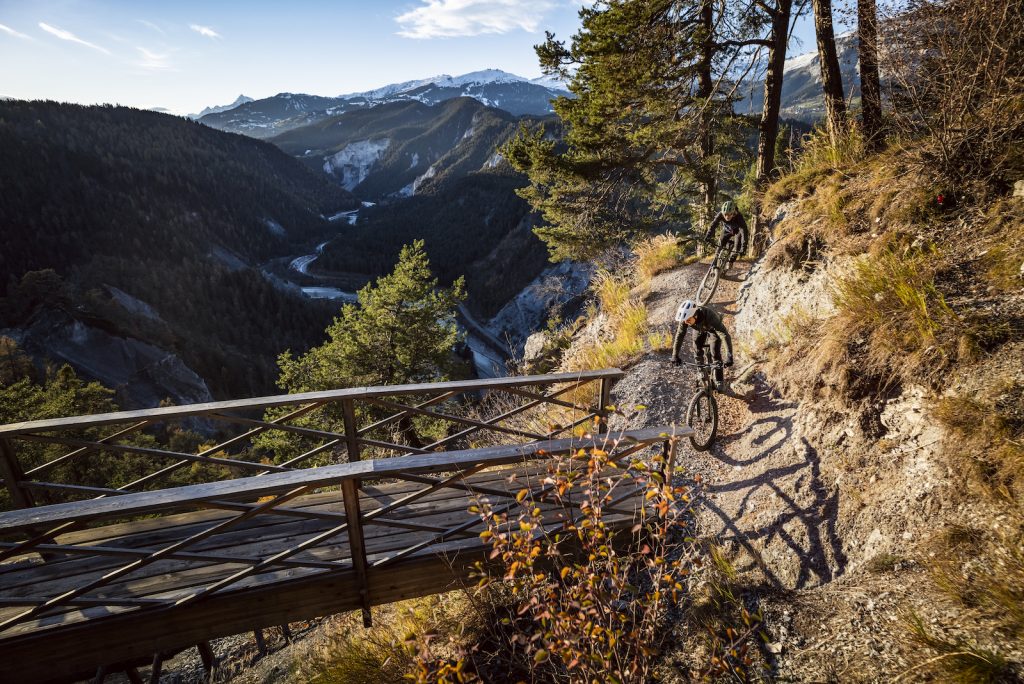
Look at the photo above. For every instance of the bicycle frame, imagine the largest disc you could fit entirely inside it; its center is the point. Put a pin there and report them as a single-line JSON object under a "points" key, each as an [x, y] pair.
{"points": [[707, 374]]}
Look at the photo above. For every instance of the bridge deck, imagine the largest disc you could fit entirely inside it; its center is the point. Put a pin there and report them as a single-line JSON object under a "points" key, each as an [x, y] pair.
{"points": [[274, 549]]}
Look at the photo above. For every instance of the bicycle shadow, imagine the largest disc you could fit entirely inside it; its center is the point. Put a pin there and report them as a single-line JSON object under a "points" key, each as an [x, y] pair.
{"points": [[774, 503]]}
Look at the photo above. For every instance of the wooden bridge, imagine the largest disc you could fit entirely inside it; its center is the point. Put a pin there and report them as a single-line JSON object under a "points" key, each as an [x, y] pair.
{"points": [[110, 559]]}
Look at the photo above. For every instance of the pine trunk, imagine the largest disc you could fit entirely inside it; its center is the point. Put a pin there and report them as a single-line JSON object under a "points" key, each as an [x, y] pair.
{"points": [[705, 89], [831, 78], [870, 88], [768, 129]]}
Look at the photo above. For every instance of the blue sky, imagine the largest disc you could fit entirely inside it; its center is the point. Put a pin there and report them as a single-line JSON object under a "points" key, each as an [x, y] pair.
{"points": [[186, 55]]}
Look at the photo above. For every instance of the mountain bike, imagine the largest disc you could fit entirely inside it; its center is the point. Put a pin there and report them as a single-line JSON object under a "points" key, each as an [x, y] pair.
{"points": [[719, 265], [702, 413]]}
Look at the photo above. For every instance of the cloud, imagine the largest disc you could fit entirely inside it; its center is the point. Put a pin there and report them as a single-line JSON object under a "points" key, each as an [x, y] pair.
{"points": [[451, 18], [149, 24], [11, 32], [204, 31], [68, 35], [154, 61]]}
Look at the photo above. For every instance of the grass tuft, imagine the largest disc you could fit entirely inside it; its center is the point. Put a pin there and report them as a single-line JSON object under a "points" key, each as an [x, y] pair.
{"points": [[957, 661], [890, 300], [656, 254]]}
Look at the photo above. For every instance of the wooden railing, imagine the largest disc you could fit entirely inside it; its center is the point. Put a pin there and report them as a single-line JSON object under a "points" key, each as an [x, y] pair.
{"points": [[153, 573], [374, 421]]}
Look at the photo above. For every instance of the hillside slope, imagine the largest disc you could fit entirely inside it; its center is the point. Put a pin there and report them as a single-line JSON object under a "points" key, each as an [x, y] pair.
{"points": [[155, 228], [872, 513]]}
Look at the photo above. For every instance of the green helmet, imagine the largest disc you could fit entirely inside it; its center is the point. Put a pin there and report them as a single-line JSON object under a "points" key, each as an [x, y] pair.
{"points": [[729, 207]]}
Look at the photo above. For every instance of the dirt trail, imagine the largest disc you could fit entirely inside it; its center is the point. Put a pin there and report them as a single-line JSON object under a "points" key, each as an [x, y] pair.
{"points": [[762, 481]]}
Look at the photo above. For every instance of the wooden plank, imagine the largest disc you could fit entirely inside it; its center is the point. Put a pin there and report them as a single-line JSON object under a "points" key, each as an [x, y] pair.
{"points": [[106, 579], [156, 531], [176, 412], [271, 581], [150, 502], [56, 654], [461, 511]]}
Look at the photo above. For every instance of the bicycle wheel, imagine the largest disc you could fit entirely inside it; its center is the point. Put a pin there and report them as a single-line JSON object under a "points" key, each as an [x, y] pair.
{"points": [[707, 287], [702, 418]]}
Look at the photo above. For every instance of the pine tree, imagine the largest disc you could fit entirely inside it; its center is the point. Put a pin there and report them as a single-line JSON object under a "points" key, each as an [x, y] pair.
{"points": [[644, 137], [402, 331]]}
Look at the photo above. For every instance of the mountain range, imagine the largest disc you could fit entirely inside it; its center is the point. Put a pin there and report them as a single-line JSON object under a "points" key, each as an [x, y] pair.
{"points": [[271, 116], [432, 172]]}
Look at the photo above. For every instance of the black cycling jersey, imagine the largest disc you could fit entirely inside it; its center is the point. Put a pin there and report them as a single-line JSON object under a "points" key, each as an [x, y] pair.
{"points": [[708, 324], [734, 229]]}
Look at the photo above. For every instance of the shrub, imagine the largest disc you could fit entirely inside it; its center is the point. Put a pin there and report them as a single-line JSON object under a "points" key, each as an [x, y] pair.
{"points": [[957, 93], [601, 598]]}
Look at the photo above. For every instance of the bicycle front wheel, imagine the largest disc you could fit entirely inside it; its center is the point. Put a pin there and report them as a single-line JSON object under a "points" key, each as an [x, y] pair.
{"points": [[702, 418], [707, 287]]}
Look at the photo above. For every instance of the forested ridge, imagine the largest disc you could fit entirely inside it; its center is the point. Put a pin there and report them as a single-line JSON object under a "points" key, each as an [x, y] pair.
{"points": [[171, 212], [473, 226]]}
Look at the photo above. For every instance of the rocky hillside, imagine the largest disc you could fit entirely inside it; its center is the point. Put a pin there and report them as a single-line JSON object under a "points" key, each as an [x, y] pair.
{"points": [[867, 480], [403, 148]]}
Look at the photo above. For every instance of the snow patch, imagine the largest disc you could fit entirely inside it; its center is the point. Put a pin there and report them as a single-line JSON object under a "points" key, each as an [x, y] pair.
{"points": [[274, 227], [800, 61], [415, 161], [494, 160], [353, 163]]}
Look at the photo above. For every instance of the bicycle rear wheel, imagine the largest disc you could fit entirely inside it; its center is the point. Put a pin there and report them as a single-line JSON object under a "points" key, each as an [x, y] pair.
{"points": [[702, 418], [707, 287]]}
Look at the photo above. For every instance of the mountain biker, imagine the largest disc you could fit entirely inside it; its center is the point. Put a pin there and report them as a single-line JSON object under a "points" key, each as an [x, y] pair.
{"points": [[710, 333], [734, 230]]}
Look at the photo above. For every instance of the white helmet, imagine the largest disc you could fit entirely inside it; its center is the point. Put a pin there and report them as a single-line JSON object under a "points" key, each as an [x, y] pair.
{"points": [[686, 310]]}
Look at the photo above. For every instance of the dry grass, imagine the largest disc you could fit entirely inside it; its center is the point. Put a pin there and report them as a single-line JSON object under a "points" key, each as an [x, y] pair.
{"points": [[817, 160], [956, 660], [354, 655], [989, 439], [1002, 246], [655, 255], [625, 333], [890, 300]]}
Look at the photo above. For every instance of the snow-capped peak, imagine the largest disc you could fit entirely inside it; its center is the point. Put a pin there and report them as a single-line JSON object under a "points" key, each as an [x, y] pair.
{"points": [[217, 109], [550, 82], [483, 77]]}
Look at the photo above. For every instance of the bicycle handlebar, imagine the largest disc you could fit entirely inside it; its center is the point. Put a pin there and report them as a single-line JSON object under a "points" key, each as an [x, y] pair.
{"points": [[710, 366]]}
